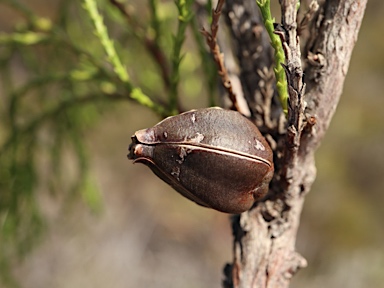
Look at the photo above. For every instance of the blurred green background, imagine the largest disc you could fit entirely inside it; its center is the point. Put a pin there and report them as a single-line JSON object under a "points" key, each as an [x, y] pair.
{"points": [[132, 230]]}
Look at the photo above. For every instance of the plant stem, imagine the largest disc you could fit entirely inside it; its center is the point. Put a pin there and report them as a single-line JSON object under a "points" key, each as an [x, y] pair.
{"points": [[185, 15], [281, 82], [102, 33]]}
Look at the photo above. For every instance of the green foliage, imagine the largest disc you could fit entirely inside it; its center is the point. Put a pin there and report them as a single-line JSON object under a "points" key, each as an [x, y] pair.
{"points": [[185, 16], [102, 33], [281, 82], [58, 77]]}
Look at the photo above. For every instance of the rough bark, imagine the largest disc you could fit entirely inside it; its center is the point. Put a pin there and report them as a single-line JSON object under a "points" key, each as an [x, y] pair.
{"points": [[265, 236]]}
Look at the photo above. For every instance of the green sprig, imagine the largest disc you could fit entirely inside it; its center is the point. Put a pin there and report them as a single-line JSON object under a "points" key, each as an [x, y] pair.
{"points": [[27, 38], [185, 15], [102, 33], [281, 82], [155, 20]]}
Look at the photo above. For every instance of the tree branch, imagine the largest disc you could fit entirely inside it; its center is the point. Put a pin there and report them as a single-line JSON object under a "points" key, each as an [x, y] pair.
{"points": [[265, 236]]}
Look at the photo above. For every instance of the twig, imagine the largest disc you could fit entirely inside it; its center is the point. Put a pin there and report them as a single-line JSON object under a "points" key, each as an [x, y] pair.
{"points": [[296, 86], [313, 8], [62, 106], [102, 33], [208, 67], [184, 17], [276, 42], [151, 45], [211, 38]]}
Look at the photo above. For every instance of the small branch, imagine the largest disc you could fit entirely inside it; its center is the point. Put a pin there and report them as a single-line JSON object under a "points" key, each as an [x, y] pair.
{"points": [[281, 82], [152, 45], [102, 33], [62, 106], [155, 21], [293, 67], [27, 38], [296, 87], [211, 39], [208, 67], [307, 18], [185, 15]]}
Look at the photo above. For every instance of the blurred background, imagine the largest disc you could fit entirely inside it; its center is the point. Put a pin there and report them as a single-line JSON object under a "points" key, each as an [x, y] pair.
{"points": [[123, 227]]}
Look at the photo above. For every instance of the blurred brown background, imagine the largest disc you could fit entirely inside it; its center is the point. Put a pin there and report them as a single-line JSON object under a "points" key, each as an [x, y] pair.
{"points": [[148, 236]]}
